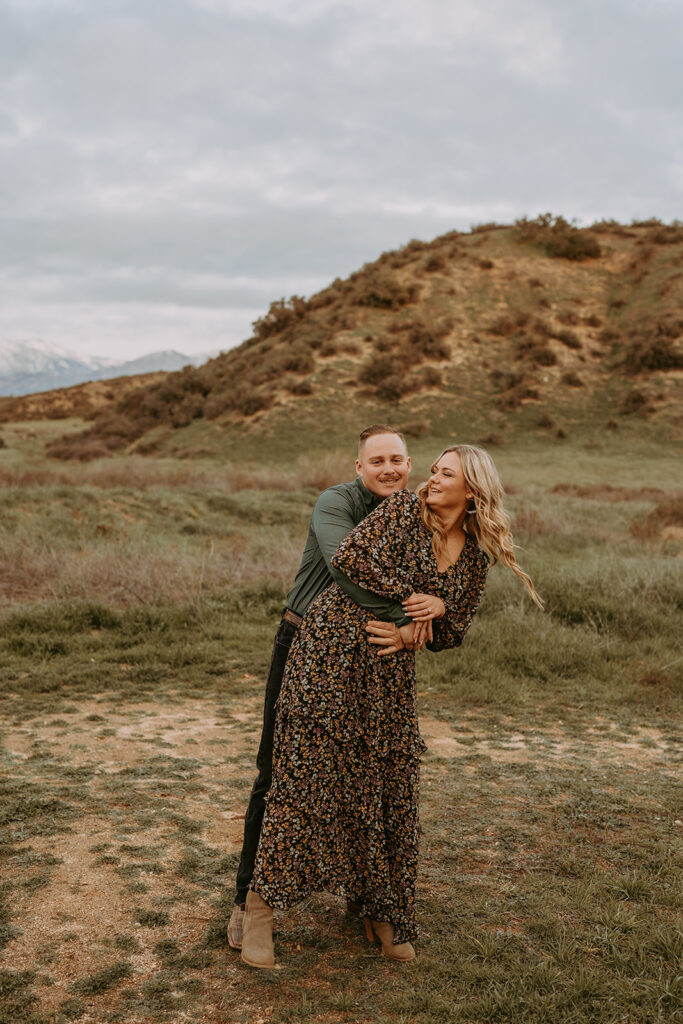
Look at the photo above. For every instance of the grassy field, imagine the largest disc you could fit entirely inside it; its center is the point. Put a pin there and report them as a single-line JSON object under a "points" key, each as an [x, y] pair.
{"points": [[139, 599]]}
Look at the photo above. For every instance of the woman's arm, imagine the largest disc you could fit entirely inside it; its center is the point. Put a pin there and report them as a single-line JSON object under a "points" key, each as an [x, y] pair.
{"points": [[332, 521], [373, 556]]}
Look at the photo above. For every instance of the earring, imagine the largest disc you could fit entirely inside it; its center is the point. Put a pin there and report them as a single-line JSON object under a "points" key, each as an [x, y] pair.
{"points": [[471, 511]]}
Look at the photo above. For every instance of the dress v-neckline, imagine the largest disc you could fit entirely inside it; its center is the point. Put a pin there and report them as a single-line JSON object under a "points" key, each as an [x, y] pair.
{"points": [[442, 572]]}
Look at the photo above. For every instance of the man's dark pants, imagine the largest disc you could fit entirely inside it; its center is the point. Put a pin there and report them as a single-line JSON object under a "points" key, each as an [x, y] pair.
{"points": [[253, 819]]}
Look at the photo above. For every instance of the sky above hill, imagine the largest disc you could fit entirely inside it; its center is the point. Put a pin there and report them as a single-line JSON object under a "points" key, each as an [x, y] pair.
{"points": [[168, 167]]}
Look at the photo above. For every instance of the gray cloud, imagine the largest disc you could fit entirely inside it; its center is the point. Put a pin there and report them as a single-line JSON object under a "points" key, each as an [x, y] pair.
{"points": [[169, 168]]}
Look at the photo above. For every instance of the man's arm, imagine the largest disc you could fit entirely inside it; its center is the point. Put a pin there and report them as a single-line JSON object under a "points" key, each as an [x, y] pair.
{"points": [[332, 522]]}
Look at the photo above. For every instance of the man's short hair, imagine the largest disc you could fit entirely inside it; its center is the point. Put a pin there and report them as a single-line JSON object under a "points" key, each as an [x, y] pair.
{"points": [[379, 428]]}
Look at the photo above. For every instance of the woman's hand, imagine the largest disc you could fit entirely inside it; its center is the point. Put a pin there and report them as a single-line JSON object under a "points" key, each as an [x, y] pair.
{"points": [[422, 634], [424, 607]]}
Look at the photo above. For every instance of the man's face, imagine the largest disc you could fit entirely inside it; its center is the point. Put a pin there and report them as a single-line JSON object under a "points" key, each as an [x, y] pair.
{"points": [[383, 464]]}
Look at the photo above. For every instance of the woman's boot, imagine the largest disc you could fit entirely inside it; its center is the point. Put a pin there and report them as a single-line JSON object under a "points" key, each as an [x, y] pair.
{"points": [[384, 933], [257, 933]]}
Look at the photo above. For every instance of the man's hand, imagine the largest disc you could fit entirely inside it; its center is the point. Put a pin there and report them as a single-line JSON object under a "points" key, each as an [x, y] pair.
{"points": [[392, 638], [424, 607]]}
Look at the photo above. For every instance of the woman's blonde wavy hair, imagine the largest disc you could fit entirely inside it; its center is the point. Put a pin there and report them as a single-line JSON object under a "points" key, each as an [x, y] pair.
{"points": [[487, 522]]}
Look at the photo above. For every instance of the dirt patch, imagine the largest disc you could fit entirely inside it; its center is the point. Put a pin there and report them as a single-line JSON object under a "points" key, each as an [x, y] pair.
{"points": [[136, 870], [643, 745]]}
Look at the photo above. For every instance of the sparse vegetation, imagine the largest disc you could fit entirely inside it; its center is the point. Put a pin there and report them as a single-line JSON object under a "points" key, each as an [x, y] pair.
{"points": [[548, 792]]}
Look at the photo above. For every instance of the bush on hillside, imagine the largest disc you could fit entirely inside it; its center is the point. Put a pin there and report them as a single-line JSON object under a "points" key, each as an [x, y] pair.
{"points": [[282, 314], [560, 239], [568, 338], [376, 369], [665, 234], [635, 402], [427, 342], [507, 323], [536, 351], [653, 353], [382, 290], [434, 263]]}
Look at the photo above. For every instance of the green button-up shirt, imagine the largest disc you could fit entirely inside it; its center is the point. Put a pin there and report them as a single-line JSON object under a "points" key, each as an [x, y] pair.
{"points": [[336, 512]]}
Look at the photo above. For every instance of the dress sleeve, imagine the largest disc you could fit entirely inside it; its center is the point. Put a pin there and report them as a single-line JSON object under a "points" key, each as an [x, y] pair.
{"points": [[374, 555], [461, 603], [333, 520]]}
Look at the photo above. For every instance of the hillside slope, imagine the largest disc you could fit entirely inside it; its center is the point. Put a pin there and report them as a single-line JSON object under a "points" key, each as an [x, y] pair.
{"points": [[470, 328]]}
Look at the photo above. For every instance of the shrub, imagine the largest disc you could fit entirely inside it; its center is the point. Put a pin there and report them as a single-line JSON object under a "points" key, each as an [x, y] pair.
{"points": [[298, 360], [390, 389], [218, 403], [667, 512], [653, 353], [573, 245], [568, 338], [592, 321], [329, 347], [486, 264], [516, 388], [382, 290], [634, 402], [302, 387], [431, 377], [281, 314], [508, 323], [665, 234], [376, 369], [572, 379], [434, 263], [536, 351], [559, 238], [252, 402], [568, 317], [427, 343]]}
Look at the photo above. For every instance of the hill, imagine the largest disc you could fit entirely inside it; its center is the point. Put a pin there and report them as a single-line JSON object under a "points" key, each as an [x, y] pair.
{"points": [[535, 323], [85, 401]]}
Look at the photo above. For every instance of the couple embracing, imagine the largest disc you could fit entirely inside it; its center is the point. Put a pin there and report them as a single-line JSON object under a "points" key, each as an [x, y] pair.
{"points": [[384, 572]]}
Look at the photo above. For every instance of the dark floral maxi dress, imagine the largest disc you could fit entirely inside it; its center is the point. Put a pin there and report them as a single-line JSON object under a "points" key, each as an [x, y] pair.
{"points": [[342, 812]]}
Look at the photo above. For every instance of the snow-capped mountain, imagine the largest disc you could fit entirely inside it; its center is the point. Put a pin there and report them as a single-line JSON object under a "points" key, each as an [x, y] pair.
{"points": [[30, 366]]}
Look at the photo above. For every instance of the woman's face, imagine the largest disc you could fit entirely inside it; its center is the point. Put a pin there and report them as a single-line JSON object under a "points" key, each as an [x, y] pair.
{"points": [[448, 491]]}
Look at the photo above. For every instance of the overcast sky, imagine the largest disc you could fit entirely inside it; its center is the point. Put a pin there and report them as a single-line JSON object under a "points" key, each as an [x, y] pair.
{"points": [[168, 167]]}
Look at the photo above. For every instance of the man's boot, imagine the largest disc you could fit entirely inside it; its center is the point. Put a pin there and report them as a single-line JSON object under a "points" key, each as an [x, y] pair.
{"points": [[235, 926]]}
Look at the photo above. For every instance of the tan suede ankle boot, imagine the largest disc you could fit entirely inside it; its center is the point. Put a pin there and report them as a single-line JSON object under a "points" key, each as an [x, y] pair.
{"points": [[257, 933], [384, 933]]}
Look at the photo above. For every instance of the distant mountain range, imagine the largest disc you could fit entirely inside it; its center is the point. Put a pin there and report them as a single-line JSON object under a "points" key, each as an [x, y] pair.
{"points": [[27, 367]]}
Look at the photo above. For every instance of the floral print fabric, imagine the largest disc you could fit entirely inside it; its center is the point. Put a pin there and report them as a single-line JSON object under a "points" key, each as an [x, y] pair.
{"points": [[342, 812]]}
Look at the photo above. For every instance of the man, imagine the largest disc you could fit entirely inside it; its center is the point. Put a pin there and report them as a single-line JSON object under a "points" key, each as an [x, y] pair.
{"points": [[382, 467]]}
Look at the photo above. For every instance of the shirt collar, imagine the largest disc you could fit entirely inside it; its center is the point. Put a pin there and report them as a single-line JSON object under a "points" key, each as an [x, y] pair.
{"points": [[368, 498]]}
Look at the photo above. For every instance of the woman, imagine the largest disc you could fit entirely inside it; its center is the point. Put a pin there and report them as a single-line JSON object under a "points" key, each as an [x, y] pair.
{"points": [[342, 813]]}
